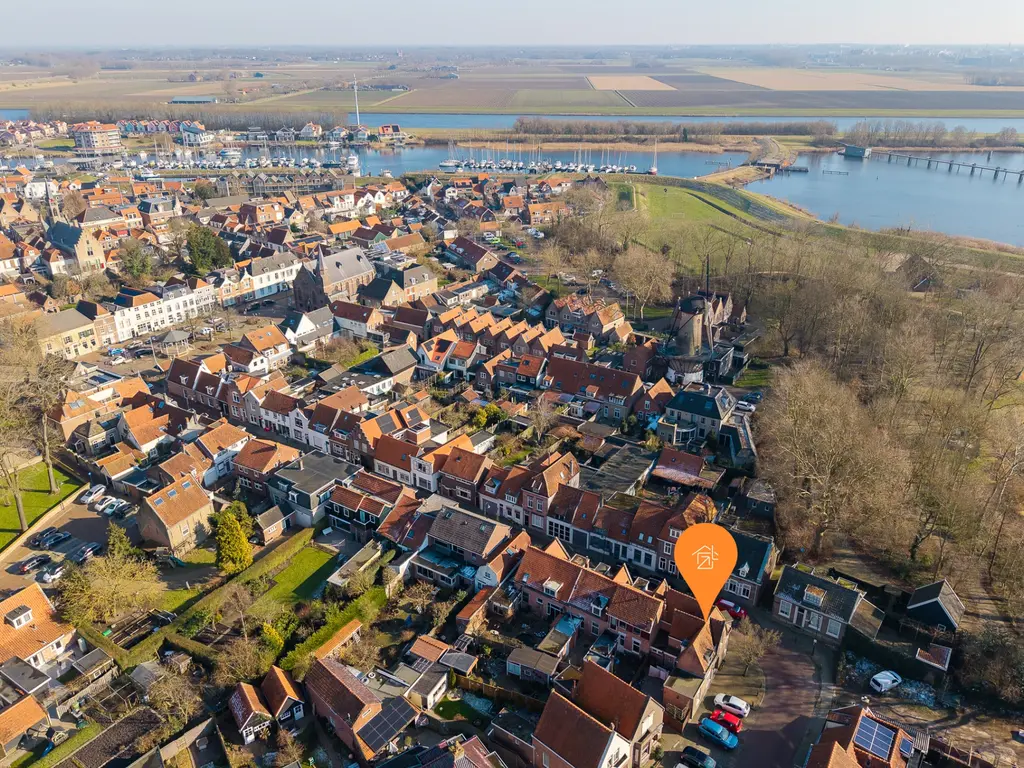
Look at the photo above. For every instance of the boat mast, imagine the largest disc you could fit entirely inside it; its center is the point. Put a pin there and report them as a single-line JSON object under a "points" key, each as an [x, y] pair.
{"points": [[355, 92]]}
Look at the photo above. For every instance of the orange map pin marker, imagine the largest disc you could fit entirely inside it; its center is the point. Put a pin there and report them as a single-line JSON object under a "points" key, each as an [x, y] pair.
{"points": [[705, 556]]}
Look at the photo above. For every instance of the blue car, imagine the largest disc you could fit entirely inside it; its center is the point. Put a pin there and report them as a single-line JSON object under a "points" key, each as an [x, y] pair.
{"points": [[716, 734]]}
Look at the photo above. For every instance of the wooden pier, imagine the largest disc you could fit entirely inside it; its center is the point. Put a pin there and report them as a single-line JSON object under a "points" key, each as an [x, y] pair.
{"points": [[973, 168]]}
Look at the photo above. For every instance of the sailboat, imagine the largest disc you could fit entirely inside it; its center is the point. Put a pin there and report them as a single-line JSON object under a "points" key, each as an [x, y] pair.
{"points": [[451, 163], [653, 170]]}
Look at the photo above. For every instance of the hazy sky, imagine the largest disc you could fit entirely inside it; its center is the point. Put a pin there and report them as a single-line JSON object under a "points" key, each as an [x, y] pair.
{"points": [[128, 23]]}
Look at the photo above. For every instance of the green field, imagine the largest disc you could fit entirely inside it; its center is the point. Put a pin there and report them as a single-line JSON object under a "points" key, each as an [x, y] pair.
{"points": [[300, 580], [35, 493]]}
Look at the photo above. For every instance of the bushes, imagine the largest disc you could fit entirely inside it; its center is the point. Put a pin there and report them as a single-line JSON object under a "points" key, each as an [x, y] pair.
{"points": [[203, 608], [365, 609]]}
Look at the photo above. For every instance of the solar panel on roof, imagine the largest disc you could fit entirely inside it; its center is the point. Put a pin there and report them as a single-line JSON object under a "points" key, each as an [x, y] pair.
{"points": [[874, 737], [906, 746], [395, 715]]}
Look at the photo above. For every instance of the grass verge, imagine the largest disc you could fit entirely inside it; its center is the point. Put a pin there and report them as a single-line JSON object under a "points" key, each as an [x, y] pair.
{"points": [[35, 494]]}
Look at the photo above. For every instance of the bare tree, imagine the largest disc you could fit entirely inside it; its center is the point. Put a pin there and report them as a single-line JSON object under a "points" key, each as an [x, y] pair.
{"points": [[543, 416], [73, 204], [644, 274], [752, 642], [365, 654]]}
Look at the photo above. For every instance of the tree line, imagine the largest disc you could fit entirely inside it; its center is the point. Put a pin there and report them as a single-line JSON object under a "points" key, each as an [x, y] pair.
{"points": [[925, 133], [542, 126]]}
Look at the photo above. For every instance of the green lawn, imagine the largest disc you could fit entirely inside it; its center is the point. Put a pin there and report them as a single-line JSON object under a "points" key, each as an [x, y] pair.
{"points": [[201, 556], [307, 571], [35, 493], [755, 376], [175, 600], [56, 144], [452, 710]]}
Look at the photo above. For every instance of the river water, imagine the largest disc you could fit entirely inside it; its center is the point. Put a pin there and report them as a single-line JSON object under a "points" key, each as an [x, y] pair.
{"points": [[868, 193], [456, 121], [874, 193]]}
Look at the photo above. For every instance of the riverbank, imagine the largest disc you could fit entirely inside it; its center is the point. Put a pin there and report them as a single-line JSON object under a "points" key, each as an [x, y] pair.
{"points": [[744, 144]]}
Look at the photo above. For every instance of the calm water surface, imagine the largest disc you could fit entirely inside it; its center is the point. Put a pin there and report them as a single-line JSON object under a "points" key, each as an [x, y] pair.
{"points": [[876, 194]]}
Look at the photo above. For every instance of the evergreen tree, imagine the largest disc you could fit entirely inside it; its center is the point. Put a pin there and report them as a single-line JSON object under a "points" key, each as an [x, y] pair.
{"points": [[234, 553], [118, 545]]}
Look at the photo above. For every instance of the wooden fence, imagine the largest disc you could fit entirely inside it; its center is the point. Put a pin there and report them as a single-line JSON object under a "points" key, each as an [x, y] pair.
{"points": [[499, 694]]}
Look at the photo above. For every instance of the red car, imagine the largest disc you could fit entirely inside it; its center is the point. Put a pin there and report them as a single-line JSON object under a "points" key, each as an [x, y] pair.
{"points": [[727, 720], [736, 611]]}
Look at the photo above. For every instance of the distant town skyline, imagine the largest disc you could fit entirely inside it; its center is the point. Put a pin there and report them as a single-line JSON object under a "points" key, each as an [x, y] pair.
{"points": [[117, 23]]}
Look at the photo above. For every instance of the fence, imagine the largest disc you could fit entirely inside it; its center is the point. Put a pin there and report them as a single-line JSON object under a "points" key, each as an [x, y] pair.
{"points": [[498, 693]]}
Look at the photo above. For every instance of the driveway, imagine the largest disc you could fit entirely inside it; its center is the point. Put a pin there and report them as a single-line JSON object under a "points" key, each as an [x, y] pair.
{"points": [[777, 729]]}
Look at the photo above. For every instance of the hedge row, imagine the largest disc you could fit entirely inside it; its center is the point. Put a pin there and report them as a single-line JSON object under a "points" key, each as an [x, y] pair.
{"points": [[212, 602], [363, 608]]}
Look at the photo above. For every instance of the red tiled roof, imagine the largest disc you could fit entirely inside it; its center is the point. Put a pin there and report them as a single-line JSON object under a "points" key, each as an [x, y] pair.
{"points": [[572, 734]]}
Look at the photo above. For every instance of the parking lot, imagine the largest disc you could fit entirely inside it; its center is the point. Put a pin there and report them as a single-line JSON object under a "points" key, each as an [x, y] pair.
{"points": [[84, 525]]}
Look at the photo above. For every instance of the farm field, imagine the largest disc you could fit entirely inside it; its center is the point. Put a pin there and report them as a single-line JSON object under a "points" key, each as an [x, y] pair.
{"points": [[628, 83], [788, 79], [557, 86]]}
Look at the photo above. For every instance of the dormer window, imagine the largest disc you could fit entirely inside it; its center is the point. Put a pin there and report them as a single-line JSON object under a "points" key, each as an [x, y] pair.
{"points": [[19, 616], [744, 570], [814, 596]]}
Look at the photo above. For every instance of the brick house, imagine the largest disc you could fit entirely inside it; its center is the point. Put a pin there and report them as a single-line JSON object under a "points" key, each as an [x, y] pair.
{"points": [[257, 459], [461, 475], [551, 584], [176, 516]]}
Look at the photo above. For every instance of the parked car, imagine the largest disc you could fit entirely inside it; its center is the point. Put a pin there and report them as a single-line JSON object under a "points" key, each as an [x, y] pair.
{"points": [[102, 502], [518, 242], [32, 563], [115, 351], [119, 360], [115, 507], [86, 551], [744, 407], [692, 757], [128, 509], [267, 303], [54, 572], [205, 331], [885, 681], [110, 506], [753, 397], [736, 611], [92, 494], [36, 540], [717, 734], [55, 538], [727, 720], [733, 704]]}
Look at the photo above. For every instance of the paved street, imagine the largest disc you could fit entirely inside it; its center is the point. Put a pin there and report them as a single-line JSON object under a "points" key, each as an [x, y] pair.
{"points": [[777, 728]]}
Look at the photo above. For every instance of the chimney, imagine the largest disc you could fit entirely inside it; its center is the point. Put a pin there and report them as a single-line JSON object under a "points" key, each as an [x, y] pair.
{"points": [[300, 463]]}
